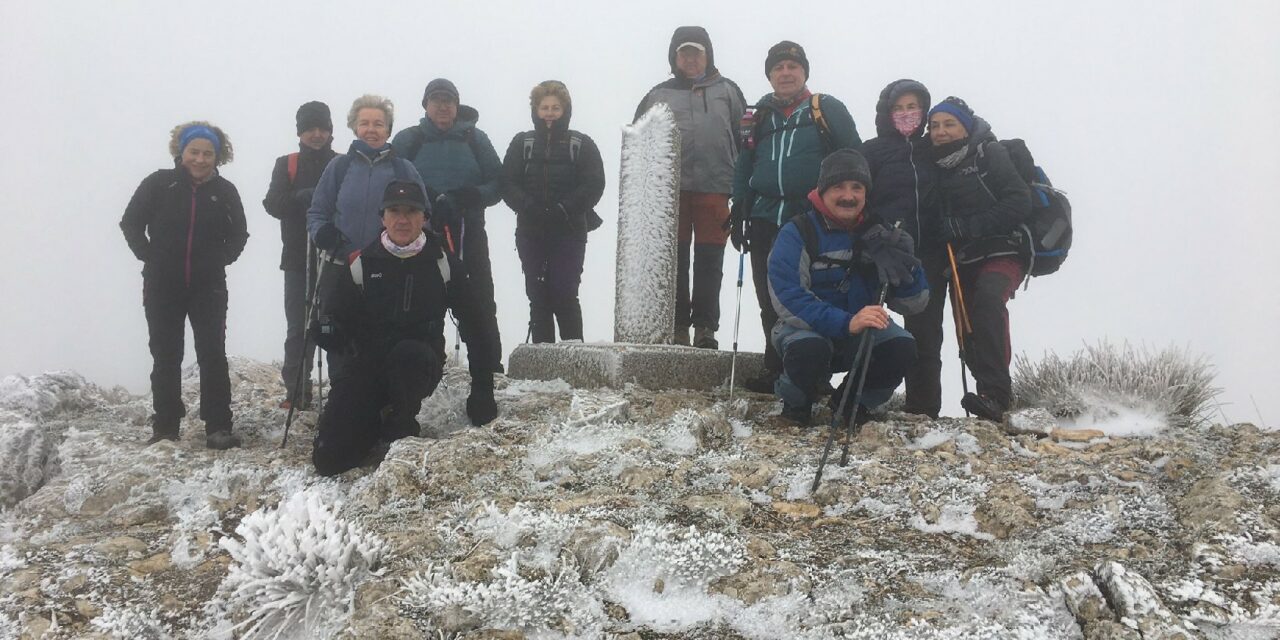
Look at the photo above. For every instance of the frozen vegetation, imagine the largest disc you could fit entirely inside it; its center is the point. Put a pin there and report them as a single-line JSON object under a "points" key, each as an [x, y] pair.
{"points": [[633, 514]]}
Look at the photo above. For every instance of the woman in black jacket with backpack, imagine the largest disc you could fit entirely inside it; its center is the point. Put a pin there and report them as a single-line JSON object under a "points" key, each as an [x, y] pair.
{"points": [[553, 179], [982, 203]]}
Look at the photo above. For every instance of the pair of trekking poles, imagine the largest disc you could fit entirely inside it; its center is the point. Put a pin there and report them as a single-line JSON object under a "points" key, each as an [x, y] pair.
{"points": [[314, 256]]}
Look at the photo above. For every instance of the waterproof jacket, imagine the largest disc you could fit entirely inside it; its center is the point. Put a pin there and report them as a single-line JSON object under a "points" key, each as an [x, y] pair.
{"points": [[461, 157], [902, 170], [811, 293], [292, 214], [708, 112], [985, 190], [354, 206], [550, 176], [185, 233], [400, 299], [782, 168]]}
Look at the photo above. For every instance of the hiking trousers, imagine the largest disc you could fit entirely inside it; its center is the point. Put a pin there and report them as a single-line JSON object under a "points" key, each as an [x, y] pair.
{"points": [[761, 235], [702, 223], [809, 359], [552, 265], [474, 241], [298, 349], [168, 308]]}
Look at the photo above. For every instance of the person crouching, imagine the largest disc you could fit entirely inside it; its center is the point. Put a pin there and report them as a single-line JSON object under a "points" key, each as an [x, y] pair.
{"points": [[385, 311], [826, 270]]}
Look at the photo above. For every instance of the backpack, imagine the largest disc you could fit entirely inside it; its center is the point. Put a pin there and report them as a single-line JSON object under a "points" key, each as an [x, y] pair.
{"points": [[292, 163], [575, 145], [755, 117], [419, 139], [1048, 229], [357, 269]]}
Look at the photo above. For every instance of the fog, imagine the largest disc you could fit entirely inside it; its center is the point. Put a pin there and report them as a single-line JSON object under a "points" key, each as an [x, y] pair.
{"points": [[1146, 113]]}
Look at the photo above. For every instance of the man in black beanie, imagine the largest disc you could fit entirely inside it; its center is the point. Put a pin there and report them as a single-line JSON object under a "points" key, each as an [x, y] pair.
{"points": [[793, 129], [288, 197]]}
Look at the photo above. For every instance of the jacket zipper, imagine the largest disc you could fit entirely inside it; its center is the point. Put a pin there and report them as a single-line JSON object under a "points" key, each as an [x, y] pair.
{"points": [[408, 291], [546, 166], [915, 177], [191, 234]]}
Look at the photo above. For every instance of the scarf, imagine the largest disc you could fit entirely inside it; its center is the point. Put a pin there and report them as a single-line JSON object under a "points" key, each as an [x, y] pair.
{"points": [[951, 154], [368, 151], [407, 251]]}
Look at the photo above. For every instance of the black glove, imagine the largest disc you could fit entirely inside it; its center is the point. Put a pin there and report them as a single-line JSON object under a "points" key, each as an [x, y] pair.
{"points": [[481, 407], [466, 198], [892, 251], [443, 213], [327, 334], [329, 239], [739, 225], [302, 197], [952, 229]]}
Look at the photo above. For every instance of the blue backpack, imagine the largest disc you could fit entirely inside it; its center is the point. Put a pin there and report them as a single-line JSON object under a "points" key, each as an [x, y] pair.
{"points": [[1047, 231]]}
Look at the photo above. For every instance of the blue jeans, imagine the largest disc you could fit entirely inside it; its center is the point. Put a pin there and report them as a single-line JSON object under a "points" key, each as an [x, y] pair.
{"points": [[809, 359]]}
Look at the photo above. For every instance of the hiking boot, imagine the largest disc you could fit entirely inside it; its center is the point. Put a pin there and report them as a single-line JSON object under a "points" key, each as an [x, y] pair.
{"points": [[801, 415], [983, 406], [163, 430], [682, 337], [481, 407], [157, 436], [221, 440], [762, 383], [398, 425], [705, 338]]}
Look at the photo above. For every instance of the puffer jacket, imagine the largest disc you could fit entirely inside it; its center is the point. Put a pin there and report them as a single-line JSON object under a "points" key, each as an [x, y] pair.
{"points": [[280, 203], [985, 190], [550, 177], [185, 233], [782, 168], [708, 112], [354, 205], [902, 170], [463, 156]]}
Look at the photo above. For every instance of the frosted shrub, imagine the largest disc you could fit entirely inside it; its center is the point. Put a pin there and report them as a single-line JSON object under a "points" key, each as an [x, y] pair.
{"points": [[47, 394], [28, 457], [544, 533], [296, 568], [131, 624], [546, 605], [1173, 381]]}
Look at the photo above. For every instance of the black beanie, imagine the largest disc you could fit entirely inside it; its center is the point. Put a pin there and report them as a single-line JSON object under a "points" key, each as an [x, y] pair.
{"points": [[690, 34], [314, 114], [841, 165], [440, 85], [786, 50]]}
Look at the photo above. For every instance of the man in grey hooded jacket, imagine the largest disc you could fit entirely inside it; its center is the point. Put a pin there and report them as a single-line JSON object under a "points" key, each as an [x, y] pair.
{"points": [[708, 108]]}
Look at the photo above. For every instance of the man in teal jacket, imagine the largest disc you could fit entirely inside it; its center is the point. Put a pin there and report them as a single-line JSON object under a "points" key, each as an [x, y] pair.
{"points": [[793, 130], [463, 175]]}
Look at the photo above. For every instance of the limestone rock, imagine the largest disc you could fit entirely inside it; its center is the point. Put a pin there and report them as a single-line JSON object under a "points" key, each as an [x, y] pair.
{"points": [[797, 509], [1005, 511], [1084, 599], [1033, 421], [1210, 504], [1076, 435], [158, 562], [752, 474], [1136, 600], [639, 478], [734, 507]]}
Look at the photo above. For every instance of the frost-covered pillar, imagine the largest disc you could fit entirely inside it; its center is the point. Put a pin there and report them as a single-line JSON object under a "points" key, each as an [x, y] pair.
{"points": [[648, 207]]}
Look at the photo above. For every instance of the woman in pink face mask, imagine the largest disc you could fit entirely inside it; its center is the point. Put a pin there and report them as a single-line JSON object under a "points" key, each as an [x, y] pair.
{"points": [[904, 175]]}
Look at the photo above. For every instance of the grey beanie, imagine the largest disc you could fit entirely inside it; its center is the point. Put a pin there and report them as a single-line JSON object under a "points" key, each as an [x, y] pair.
{"points": [[841, 165]]}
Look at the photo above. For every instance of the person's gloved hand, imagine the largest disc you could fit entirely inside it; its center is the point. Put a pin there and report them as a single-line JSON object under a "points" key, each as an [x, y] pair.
{"points": [[329, 239], [481, 407], [328, 334], [465, 199], [302, 197], [893, 252], [443, 214], [739, 225], [952, 229]]}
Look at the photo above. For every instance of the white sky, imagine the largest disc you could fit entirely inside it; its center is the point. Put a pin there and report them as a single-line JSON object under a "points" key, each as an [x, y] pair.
{"points": [[1145, 112]]}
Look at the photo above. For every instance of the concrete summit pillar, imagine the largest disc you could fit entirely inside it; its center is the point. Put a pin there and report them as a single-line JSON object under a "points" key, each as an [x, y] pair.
{"points": [[644, 298]]}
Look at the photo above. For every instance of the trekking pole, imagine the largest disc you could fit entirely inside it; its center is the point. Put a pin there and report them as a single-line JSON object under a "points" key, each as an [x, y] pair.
{"points": [[960, 317], [737, 315], [863, 358], [293, 405]]}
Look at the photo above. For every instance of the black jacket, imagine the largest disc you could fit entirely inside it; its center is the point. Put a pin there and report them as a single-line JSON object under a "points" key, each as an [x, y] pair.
{"points": [[550, 177], [902, 169], [185, 234], [292, 213], [984, 190], [402, 299]]}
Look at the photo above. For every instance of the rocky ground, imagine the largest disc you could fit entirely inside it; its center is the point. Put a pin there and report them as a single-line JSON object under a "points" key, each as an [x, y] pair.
{"points": [[625, 514]]}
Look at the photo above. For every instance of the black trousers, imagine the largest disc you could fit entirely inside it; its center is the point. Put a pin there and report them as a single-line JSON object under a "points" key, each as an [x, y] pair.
{"points": [[761, 236], [298, 350], [365, 406], [168, 307], [486, 359], [552, 266]]}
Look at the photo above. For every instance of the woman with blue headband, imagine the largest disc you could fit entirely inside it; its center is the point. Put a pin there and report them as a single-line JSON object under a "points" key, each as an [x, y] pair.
{"points": [[185, 225]]}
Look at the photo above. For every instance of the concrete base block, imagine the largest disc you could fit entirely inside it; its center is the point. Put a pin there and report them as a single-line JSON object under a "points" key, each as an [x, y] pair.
{"points": [[614, 365]]}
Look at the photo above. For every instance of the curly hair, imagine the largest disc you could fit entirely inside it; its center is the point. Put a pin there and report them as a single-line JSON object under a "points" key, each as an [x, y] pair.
{"points": [[370, 101], [225, 153], [550, 88]]}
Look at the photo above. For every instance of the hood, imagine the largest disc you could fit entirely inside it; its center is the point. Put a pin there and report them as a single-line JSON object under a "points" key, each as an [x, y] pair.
{"points": [[981, 132], [890, 94], [466, 120], [560, 125], [691, 34]]}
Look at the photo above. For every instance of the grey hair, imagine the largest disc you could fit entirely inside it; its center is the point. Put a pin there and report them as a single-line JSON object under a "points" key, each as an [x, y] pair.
{"points": [[370, 101]]}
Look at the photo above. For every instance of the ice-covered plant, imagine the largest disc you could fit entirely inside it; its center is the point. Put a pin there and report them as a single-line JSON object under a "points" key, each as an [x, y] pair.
{"points": [[1173, 381], [28, 457], [542, 534], [295, 568], [131, 623]]}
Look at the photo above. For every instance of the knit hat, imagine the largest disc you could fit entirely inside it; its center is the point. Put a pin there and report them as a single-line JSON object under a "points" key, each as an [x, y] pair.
{"points": [[958, 108], [314, 114], [404, 192], [786, 50], [696, 36], [439, 85], [841, 165]]}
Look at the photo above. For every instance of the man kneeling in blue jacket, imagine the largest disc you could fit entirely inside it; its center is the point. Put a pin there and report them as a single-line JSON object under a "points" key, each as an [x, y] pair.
{"points": [[825, 273]]}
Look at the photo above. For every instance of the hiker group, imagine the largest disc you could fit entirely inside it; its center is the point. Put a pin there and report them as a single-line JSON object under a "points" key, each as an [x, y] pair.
{"points": [[382, 242]]}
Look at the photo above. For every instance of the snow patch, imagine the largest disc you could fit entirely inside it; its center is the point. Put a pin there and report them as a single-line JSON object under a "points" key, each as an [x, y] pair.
{"points": [[954, 518]]}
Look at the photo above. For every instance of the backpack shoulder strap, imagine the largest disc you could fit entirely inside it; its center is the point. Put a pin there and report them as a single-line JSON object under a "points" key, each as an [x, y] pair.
{"points": [[809, 235], [575, 144], [292, 163], [824, 131], [357, 270], [415, 143], [527, 142], [446, 273], [340, 170]]}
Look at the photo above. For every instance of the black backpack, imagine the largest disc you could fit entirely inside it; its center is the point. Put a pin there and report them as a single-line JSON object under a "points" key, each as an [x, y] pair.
{"points": [[1048, 229]]}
